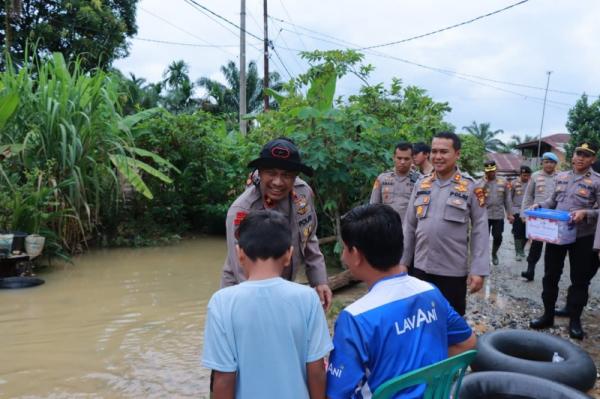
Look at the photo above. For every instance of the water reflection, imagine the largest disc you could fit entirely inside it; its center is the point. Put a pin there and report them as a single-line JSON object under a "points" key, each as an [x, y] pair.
{"points": [[118, 323]]}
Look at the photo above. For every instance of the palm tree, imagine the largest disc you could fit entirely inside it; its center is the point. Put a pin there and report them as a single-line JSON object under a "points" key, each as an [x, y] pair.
{"points": [[180, 88], [483, 132], [224, 98]]}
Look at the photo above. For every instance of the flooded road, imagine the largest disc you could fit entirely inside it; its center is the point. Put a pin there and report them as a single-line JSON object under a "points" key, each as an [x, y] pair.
{"points": [[116, 323]]}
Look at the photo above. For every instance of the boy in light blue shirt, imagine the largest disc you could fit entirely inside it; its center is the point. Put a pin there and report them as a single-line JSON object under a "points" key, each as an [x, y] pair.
{"points": [[266, 337]]}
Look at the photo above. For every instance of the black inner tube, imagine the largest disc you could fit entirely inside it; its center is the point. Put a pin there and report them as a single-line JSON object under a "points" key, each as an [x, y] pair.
{"points": [[20, 282]]}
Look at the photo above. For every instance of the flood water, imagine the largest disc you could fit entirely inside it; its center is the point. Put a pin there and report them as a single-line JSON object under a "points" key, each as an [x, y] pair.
{"points": [[116, 323]]}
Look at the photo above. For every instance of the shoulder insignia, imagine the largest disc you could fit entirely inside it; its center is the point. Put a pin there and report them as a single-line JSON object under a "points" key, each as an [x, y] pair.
{"points": [[480, 194], [239, 217], [457, 177]]}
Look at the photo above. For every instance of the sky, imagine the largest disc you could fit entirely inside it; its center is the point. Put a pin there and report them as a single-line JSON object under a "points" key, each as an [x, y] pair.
{"points": [[509, 50]]}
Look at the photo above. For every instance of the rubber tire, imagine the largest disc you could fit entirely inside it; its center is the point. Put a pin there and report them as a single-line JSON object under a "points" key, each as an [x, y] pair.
{"points": [[530, 352], [20, 282], [506, 385]]}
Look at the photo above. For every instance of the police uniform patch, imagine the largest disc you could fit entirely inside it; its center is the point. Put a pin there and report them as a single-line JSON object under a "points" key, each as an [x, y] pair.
{"points": [[587, 181], [461, 188], [457, 202], [419, 211], [376, 185], [426, 199], [301, 204], [480, 194]]}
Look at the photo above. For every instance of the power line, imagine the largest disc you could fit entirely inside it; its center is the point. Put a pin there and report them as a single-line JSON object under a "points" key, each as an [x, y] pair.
{"points": [[281, 61], [179, 29], [183, 44], [290, 18], [222, 18], [338, 42], [555, 104], [446, 28]]}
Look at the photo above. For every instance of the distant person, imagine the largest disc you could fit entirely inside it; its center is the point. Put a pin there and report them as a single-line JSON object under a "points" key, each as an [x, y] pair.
{"points": [[394, 187], [400, 325], [277, 187], [578, 192], [497, 201], [266, 337], [446, 226], [421, 153], [517, 192], [539, 189]]}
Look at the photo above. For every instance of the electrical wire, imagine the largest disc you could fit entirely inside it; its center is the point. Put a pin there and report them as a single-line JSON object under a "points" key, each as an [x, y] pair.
{"points": [[445, 28], [200, 6], [449, 72], [145, 39]]}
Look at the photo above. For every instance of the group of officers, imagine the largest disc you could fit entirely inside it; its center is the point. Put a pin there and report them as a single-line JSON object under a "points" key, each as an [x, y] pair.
{"points": [[447, 218]]}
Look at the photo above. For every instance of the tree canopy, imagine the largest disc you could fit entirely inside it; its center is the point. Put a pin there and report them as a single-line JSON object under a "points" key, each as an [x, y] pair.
{"points": [[94, 31], [583, 123]]}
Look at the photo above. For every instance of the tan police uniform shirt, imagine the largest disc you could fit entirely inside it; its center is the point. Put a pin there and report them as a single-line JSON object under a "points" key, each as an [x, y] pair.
{"points": [[436, 232], [540, 188], [576, 192], [497, 197], [394, 190], [517, 193], [300, 211]]}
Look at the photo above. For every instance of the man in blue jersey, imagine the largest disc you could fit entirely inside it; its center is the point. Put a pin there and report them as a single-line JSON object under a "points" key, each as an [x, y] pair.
{"points": [[400, 325]]}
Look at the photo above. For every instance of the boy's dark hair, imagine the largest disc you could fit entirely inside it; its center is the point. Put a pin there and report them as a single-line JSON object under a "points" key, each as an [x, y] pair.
{"points": [[376, 231], [451, 136], [403, 146], [264, 234], [421, 147]]}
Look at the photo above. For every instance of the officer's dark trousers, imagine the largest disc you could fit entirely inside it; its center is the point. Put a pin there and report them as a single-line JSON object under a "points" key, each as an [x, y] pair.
{"points": [[454, 289], [535, 252], [584, 264], [496, 226], [518, 228]]}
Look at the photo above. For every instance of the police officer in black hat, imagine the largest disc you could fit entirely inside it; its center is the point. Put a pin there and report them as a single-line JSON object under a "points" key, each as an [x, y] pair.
{"points": [[277, 186]]}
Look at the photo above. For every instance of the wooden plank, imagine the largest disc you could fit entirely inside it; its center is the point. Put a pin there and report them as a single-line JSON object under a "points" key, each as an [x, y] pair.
{"points": [[341, 280]]}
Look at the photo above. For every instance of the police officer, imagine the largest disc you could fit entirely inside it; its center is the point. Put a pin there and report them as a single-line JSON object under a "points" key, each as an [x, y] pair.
{"points": [[497, 200], [577, 191], [421, 154], [278, 187], [539, 189], [517, 192], [394, 187], [442, 207]]}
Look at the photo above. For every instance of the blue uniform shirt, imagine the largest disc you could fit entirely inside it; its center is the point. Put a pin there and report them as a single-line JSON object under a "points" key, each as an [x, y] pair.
{"points": [[400, 325]]}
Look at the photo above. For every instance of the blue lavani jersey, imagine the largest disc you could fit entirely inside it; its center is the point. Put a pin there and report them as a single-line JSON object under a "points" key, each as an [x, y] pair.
{"points": [[400, 325]]}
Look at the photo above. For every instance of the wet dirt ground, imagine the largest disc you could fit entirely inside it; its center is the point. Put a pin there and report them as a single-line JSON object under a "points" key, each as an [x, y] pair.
{"points": [[509, 301]]}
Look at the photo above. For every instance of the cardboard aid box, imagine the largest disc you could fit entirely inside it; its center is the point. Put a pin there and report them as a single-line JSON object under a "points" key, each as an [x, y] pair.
{"points": [[550, 225]]}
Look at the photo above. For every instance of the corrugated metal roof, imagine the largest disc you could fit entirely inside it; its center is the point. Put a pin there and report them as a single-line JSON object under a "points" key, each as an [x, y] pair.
{"points": [[506, 163], [557, 140]]}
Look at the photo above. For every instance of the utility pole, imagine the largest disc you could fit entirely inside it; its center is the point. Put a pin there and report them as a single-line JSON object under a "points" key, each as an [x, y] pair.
{"points": [[266, 58], [243, 107], [543, 113]]}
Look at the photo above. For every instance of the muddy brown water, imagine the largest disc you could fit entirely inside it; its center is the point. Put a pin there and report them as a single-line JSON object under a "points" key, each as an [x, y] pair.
{"points": [[116, 323]]}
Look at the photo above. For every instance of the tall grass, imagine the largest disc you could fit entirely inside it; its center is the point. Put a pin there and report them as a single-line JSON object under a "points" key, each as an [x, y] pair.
{"points": [[68, 123]]}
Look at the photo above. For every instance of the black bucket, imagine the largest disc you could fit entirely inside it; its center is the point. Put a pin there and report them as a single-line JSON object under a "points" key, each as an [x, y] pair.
{"points": [[18, 243]]}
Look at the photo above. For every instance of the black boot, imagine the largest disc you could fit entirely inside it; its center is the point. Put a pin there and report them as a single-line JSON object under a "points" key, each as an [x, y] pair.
{"points": [[530, 272], [575, 329], [495, 249], [547, 320], [562, 312]]}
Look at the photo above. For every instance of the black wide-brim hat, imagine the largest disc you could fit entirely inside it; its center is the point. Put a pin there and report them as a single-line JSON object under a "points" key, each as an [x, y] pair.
{"points": [[281, 154]]}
